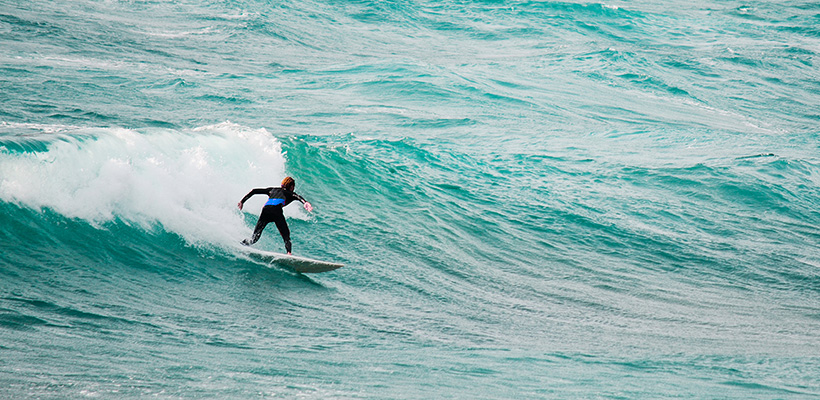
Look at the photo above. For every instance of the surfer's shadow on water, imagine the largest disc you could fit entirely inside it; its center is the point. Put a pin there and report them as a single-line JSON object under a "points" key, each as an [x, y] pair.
{"points": [[257, 273]]}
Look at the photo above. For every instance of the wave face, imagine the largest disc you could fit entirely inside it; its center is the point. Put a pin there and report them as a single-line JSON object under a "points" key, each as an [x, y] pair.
{"points": [[532, 199]]}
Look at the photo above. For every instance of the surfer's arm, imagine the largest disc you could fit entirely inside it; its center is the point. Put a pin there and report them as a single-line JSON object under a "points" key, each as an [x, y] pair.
{"points": [[304, 202], [251, 193]]}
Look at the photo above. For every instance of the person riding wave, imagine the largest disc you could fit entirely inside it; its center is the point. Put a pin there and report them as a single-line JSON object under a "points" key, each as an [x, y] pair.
{"points": [[278, 197]]}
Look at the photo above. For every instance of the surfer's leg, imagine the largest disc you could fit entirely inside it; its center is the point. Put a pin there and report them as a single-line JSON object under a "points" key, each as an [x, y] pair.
{"points": [[282, 224], [264, 218]]}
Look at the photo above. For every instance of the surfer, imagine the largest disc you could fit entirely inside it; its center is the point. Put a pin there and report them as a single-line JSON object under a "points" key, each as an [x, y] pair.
{"points": [[278, 197]]}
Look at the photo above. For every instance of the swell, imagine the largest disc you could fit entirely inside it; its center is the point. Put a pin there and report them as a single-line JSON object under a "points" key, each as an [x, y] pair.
{"points": [[534, 241], [626, 244]]}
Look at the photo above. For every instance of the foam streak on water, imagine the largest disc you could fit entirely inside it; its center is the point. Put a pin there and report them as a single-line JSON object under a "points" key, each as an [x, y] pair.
{"points": [[532, 199]]}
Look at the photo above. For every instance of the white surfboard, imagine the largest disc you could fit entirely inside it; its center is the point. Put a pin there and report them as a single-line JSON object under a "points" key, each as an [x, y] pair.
{"points": [[299, 264]]}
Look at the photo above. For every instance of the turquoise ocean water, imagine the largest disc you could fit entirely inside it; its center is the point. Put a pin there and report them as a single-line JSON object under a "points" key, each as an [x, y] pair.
{"points": [[533, 199]]}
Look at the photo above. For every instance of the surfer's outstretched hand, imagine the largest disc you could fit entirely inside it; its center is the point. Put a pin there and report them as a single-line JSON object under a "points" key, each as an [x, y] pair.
{"points": [[308, 207], [240, 206]]}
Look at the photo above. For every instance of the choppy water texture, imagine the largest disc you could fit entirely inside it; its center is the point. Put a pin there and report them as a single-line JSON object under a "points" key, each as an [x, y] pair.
{"points": [[532, 199]]}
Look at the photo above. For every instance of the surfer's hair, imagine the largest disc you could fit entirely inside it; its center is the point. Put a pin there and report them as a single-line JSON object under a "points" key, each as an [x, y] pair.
{"points": [[288, 183]]}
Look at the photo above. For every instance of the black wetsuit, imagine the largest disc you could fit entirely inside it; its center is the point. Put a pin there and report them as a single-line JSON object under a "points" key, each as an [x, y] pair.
{"points": [[278, 197]]}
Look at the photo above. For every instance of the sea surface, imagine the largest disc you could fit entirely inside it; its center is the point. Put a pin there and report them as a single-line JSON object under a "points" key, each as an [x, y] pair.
{"points": [[532, 199]]}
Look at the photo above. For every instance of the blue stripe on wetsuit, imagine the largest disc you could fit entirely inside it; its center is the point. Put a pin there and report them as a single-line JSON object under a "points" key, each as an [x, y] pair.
{"points": [[275, 202]]}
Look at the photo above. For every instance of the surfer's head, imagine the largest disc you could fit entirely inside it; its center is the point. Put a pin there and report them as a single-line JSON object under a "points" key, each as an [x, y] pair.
{"points": [[288, 183]]}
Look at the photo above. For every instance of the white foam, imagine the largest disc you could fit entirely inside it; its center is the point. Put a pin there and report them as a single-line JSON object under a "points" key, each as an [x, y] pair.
{"points": [[188, 182]]}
